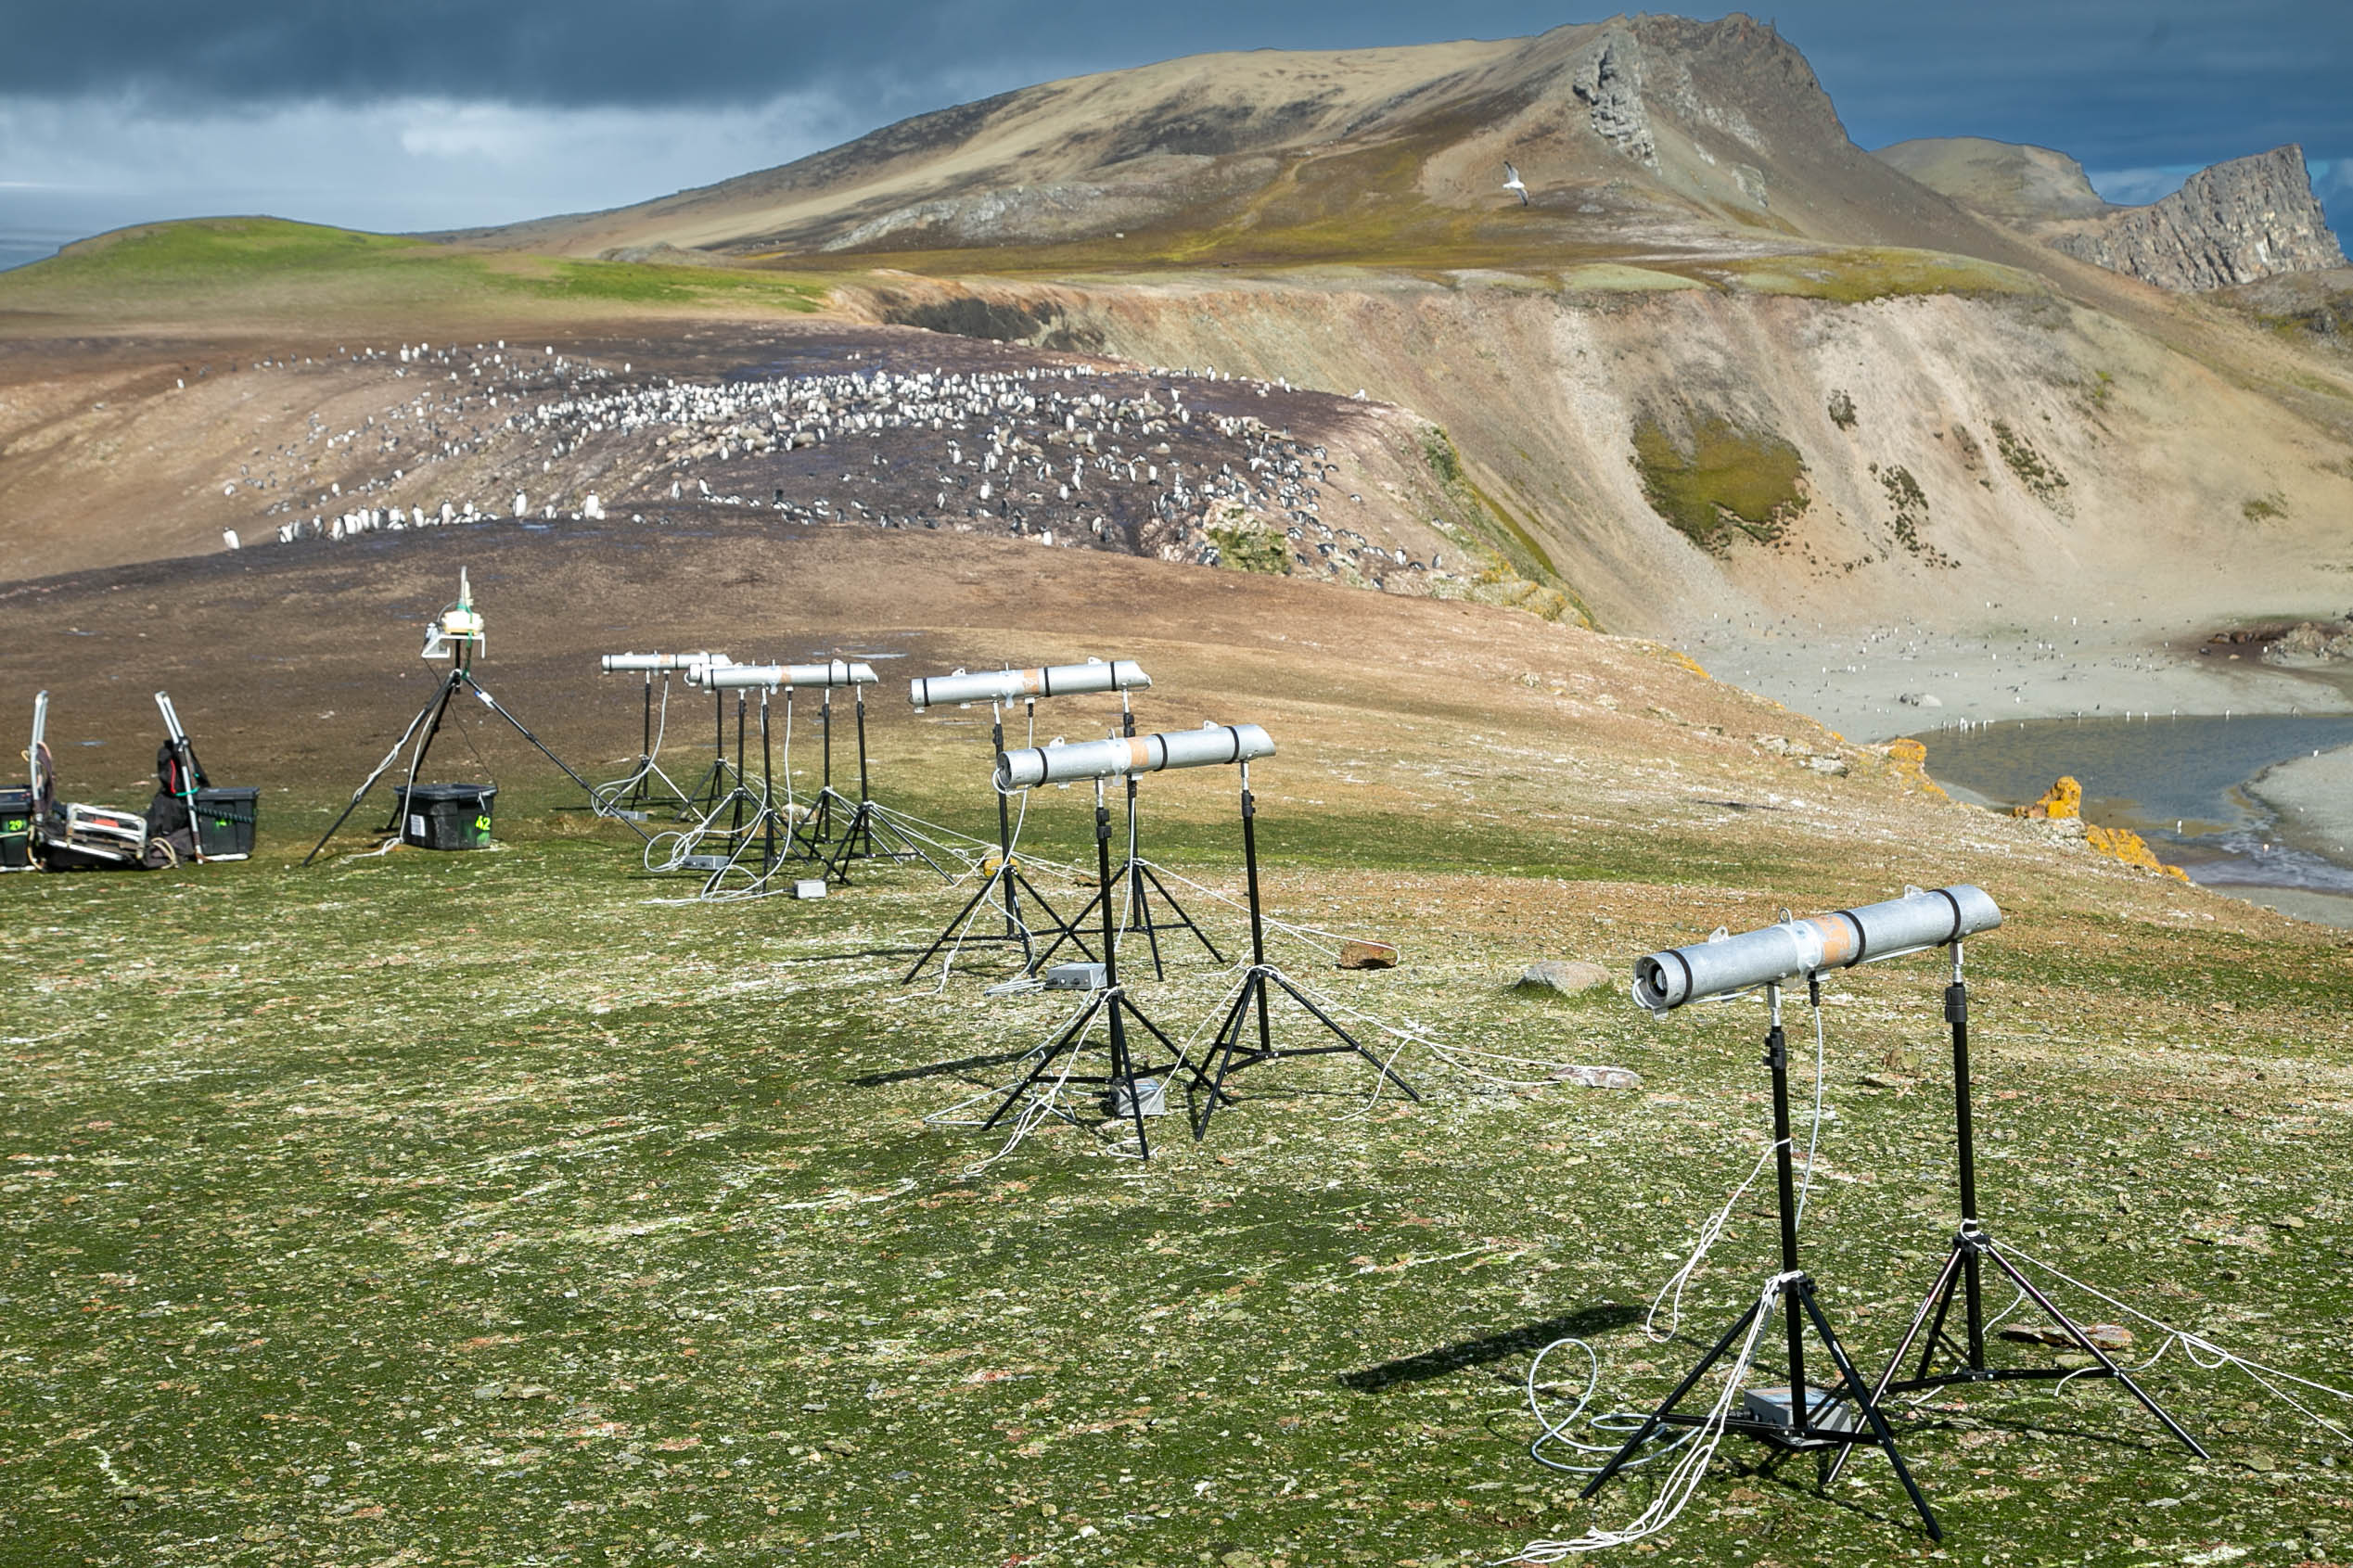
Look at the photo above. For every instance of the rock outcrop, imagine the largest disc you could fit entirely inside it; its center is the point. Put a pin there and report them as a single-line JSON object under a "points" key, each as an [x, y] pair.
{"points": [[2237, 222]]}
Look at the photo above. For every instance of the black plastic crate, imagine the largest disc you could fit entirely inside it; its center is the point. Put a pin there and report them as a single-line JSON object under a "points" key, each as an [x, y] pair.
{"points": [[224, 822], [16, 829], [446, 816]]}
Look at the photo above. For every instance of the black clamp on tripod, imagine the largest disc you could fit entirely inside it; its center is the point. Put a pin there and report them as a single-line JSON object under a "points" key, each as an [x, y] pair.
{"points": [[1135, 874], [1963, 1273], [1007, 881], [1842, 1416], [1122, 1078], [1227, 1048]]}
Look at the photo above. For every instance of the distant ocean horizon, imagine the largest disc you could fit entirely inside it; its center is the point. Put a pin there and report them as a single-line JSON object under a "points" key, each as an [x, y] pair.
{"points": [[22, 247]]}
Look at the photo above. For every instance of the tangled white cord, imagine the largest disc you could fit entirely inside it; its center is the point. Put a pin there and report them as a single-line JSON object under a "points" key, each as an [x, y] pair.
{"points": [[1683, 1478]]}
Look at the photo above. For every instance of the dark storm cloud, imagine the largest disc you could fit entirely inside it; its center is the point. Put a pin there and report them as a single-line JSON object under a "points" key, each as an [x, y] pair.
{"points": [[2158, 81]]}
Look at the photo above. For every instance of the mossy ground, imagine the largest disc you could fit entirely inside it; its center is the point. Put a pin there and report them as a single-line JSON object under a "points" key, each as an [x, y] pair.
{"points": [[492, 1208], [1716, 481]]}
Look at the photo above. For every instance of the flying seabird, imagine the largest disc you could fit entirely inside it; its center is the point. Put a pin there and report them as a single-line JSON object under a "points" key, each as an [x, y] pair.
{"points": [[1512, 182]]}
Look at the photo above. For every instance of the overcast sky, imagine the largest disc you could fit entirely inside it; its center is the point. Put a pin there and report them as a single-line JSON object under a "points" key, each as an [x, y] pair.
{"points": [[443, 113]]}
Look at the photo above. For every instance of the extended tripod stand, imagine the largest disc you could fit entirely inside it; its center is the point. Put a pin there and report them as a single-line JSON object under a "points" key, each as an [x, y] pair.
{"points": [[711, 789], [1227, 1048], [1005, 880], [1963, 1273], [866, 833], [1840, 1416], [428, 719], [635, 791], [1121, 1075], [1137, 878]]}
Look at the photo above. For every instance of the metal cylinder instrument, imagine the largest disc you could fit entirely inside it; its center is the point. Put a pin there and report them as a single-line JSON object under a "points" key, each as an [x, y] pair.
{"points": [[1209, 747], [1047, 681], [615, 664], [834, 673], [1791, 949]]}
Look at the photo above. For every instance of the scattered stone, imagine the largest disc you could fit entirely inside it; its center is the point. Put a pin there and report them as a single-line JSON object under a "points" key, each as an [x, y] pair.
{"points": [[2256, 1459], [1901, 1059], [1834, 767], [1882, 1080], [1920, 699], [1560, 977], [2107, 1336], [1367, 955], [1599, 1078], [2288, 1222]]}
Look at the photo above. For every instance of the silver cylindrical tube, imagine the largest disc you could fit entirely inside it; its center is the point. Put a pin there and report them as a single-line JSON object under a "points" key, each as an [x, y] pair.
{"points": [[1209, 747], [616, 663], [833, 672], [1047, 681], [729, 677], [1795, 949]]}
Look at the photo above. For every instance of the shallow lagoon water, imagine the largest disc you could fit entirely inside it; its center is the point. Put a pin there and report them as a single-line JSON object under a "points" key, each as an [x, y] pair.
{"points": [[2182, 783]]}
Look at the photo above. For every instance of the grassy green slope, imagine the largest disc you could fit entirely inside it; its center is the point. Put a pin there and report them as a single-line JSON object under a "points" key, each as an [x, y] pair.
{"points": [[207, 272]]}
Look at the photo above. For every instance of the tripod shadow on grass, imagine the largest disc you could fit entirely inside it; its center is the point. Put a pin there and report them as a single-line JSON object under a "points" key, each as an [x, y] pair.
{"points": [[1526, 1340], [940, 1069]]}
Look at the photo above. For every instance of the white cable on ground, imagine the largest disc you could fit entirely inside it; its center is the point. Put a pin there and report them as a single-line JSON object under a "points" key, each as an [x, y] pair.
{"points": [[2202, 1351], [1682, 1479], [646, 766]]}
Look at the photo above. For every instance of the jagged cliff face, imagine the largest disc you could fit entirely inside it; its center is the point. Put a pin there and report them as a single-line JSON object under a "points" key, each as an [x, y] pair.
{"points": [[2235, 222]]}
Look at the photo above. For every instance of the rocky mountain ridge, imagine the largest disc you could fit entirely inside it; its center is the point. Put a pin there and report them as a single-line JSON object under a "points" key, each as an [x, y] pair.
{"points": [[2239, 222], [2236, 223]]}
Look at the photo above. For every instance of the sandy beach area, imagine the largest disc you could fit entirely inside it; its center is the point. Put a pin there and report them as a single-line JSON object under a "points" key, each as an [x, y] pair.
{"points": [[1876, 683], [2314, 798]]}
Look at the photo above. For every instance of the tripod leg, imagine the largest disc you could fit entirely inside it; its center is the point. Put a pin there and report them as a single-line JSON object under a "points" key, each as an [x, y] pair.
{"points": [[1327, 1021], [1867, 1404], [1221, 1046], [1140, 916], [1939, 1300], [952, 927], [2068, 1325], [360, 794], [1658, 1417], [1183, 919], [1066, 1039], [1123, 1069], [492, 703], [1070, 930]]}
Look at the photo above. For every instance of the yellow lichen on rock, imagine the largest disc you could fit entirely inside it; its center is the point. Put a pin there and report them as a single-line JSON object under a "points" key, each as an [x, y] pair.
{"points": [[2061, 800], [2129, 847], [1907, 759]]}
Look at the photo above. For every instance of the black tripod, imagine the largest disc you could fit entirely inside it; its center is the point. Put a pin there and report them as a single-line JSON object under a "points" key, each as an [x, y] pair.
{"points": [[428, 719], [1134, 875], [1252, 998], [866, 833], [1006, 879], [711, 790], [1971, 1247], [1814, 1418], [1111, 1003], [761, 829], [636, 792]]}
